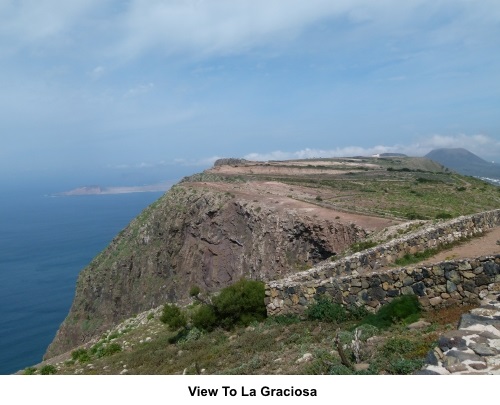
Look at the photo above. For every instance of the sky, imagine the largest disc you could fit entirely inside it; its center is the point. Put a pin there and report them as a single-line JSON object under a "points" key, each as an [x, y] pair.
{"points": [[148, 86]]}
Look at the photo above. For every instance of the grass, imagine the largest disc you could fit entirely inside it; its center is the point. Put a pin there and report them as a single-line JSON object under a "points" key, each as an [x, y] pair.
{"points": [[413, 258], [272, 346], [401, 194]]}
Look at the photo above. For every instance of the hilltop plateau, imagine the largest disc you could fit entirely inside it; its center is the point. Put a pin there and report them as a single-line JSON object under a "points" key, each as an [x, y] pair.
{"points": [[263, 221]]}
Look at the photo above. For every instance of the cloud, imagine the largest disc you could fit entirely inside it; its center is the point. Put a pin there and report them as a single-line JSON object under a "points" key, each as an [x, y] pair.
{"points": [[140, 89], [35, 20], [482, 145], [228, 27], [97, 72]]}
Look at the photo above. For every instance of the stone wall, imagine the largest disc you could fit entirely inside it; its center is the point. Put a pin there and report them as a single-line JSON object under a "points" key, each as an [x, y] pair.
{"points": [[364, 279]]}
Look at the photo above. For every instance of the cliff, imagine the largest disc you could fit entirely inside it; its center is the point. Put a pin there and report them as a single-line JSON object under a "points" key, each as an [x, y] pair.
{"points": [[258, 220], [194, 235]]}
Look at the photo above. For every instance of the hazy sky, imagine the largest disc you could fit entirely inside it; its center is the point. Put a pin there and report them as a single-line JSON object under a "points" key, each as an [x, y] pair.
{"points": [[121, 85]]}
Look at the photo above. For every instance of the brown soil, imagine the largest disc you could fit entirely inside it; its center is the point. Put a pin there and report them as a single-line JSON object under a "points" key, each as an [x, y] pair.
{"points": [[283, 197], [482, 246]]}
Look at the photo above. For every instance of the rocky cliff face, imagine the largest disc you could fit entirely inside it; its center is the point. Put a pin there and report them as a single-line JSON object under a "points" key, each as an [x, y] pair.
{"points": [[196, 235]]}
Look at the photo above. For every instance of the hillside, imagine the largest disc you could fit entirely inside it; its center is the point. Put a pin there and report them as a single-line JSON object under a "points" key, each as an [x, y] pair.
{"points": [[261, 220], [465, 162]]}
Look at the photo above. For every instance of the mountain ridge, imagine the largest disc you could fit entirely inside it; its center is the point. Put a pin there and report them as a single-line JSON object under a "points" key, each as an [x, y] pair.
{"points": [[464, 162]]}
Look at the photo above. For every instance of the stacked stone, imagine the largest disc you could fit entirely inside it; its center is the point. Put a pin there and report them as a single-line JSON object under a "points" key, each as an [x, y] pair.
{"points": [[475, 347], [364, 278], [447, 283]]}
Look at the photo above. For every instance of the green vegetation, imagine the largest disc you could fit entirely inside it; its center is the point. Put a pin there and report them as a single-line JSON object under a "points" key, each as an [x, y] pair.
{"points": [[405, 309], [48, 369], [363, 245], [443, 215], [205, 318], [324, 309], [80, 355], [173, 317], [273, 346], [104, 349], [30, 371], [240, 304], [408, 258]]}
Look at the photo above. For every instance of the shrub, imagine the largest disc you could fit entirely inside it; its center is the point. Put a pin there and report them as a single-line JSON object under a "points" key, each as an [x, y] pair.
{"points": [[402, 309], [101, 349], [363, 245], [81, 355], [110, 349], [173, 317], [326, 310], [414, 215], [194, 291], [240, 304], [48, 369], [205, 318], [443, 215], [29, 371]]}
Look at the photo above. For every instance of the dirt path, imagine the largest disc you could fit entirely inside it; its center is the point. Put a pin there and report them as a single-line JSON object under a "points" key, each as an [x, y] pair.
{"points": [[484, 245]]}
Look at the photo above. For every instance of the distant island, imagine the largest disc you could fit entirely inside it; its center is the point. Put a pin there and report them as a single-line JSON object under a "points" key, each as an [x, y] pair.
{"points": [[98, 190]]}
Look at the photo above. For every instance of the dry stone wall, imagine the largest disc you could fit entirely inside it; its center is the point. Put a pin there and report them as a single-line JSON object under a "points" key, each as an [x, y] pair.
{"points": [[363, 279]]}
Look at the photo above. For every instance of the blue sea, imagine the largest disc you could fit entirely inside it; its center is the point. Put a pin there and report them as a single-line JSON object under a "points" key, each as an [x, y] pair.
{"points": [[44, 243]]}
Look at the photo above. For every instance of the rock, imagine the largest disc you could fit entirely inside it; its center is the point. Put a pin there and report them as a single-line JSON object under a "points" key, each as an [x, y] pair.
{"points": [[457, 368], [361, 367], [418, 325], [305, 358], [462, 356], [452, 339], [432, 358], [478, 366], [435, 301], [483, 349], [469, 320]]}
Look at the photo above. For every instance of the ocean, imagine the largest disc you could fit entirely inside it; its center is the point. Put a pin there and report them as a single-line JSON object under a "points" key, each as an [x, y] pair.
{"points": [[44, 243]]}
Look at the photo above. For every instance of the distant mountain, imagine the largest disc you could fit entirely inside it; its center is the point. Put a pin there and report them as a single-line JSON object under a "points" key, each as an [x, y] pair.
{"points": [[465, 162]]}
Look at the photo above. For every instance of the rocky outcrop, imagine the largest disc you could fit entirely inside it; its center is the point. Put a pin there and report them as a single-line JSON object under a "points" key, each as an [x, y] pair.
{"points": [[194, 235]]}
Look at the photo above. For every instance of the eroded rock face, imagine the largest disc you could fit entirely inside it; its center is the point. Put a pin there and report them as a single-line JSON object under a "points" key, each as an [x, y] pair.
{"points": [[194, 236]]}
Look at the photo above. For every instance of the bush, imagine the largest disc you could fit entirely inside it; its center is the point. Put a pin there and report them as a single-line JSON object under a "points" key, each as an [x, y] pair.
{"points": [[48, 369], [326, 310], [194, 291], [110, 349], [205, 318], [101, 349], [29, 371], [173, 317], [240, 304], [81, 355], [443, 215], [402, 309]]}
